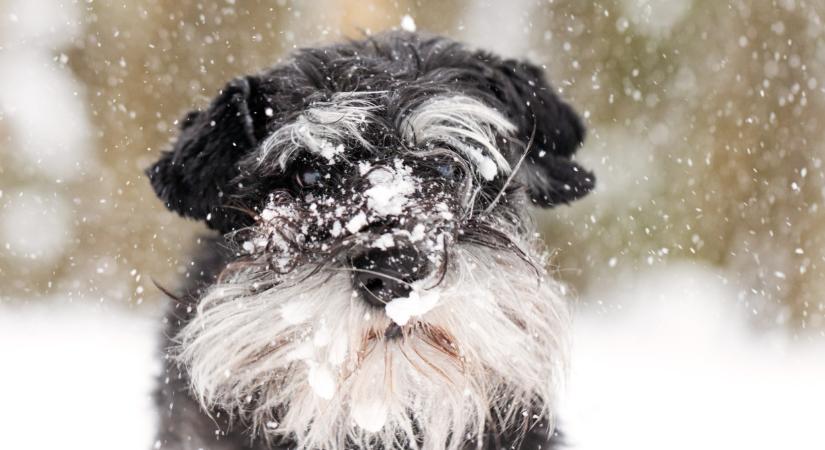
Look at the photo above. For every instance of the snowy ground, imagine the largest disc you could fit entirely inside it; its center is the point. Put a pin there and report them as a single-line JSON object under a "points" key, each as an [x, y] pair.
{"points": [[75, 378], [676, 367], [667, 365]]}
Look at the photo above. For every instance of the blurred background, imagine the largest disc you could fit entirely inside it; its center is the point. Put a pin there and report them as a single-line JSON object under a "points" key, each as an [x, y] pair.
{"points": [[699, 261]]}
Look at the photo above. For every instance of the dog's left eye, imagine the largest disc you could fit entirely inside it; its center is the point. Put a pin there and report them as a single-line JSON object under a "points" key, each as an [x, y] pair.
{"points": [[448, 171]]}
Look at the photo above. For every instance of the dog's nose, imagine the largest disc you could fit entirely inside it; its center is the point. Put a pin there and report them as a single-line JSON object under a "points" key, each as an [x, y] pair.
{"points": [[379, 276]]}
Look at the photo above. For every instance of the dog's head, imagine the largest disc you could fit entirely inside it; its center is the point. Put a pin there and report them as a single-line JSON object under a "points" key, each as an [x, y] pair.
{"points": [[388, 288]]}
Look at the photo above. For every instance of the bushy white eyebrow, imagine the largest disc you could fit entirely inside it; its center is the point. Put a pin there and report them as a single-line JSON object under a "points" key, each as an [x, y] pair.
{"points": [[323, 126], [464, 124]]}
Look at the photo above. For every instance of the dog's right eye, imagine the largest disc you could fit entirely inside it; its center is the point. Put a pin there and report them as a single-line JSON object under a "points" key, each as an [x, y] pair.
{"points": [[308, 178]]}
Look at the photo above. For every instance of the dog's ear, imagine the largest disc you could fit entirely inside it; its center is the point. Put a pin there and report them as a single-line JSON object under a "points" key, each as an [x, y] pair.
{"points": [[195, 177], [550, 175]]}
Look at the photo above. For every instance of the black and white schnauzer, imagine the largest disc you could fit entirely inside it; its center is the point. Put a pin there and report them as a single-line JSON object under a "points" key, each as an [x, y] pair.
{"points": [[376, 282]]}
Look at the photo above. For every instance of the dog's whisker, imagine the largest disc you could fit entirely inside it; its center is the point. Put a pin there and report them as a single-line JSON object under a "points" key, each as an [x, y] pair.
{"points": [[513, 173]]}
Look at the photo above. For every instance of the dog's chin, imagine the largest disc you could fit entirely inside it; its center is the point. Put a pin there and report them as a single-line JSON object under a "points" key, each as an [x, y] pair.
{"points": [[307, 361]]}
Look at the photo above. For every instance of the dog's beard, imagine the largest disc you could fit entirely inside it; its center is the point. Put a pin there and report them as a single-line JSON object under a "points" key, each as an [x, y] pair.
{"points": [[308, 361]]}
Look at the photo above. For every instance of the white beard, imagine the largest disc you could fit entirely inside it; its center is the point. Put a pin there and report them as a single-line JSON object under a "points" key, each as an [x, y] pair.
{"points": [[308, 360]]}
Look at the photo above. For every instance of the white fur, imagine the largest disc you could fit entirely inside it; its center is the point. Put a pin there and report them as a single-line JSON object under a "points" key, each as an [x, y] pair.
{"points": [[465, 124], [322, 127], [457, 121], [312, 350]]}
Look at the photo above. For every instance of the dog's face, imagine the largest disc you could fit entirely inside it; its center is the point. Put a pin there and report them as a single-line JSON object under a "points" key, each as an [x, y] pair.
{"points": [[388, 289]]}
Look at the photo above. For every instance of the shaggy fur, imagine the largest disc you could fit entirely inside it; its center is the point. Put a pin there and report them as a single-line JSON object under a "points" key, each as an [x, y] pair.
{"points": [[257, 353], [418, 156]]}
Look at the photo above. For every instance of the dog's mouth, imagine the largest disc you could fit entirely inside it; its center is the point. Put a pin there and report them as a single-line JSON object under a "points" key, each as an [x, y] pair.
{"points": [[432, 336], [393, 331]]}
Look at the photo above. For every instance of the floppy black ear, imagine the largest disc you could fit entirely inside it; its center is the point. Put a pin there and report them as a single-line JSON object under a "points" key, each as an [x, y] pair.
{"points": [[194, 177], [550, 175]]}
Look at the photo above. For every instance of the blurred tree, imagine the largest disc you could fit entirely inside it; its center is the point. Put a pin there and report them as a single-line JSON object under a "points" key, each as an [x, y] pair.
{"points": [[706, 136], [704, 123]]}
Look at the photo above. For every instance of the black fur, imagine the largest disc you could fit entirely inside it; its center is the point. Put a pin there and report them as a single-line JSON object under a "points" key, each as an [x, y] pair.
{"points": [[208, 174], [201, 177]]}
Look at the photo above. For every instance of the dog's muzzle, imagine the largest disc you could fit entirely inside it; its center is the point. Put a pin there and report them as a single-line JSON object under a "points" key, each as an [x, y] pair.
{"points": [[379, 276]]}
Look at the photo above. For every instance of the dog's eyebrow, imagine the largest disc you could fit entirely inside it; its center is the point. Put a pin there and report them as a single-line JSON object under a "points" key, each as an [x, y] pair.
{"points": [[462, 123], [322, 127]]}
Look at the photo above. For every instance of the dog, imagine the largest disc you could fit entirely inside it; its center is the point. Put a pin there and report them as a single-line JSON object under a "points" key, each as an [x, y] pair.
{"points": [[374, 279]]}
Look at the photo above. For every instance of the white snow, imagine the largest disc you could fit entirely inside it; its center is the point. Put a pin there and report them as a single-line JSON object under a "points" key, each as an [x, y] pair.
{"points": [[322, 336], [384, 241], [335, 231], [321, 380], [408, 23], [268, 214], [76, 377], [364, 167], [390, 190], [419, 302], [357, 222], [330, 151], [443, 211], [417, 232], [673, 364]]}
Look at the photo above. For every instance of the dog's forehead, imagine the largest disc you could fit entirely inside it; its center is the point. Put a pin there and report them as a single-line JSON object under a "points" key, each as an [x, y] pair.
{"points": [[368, 124]]}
